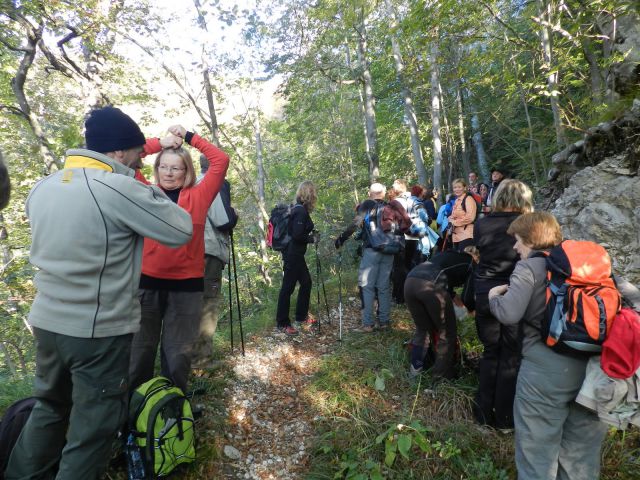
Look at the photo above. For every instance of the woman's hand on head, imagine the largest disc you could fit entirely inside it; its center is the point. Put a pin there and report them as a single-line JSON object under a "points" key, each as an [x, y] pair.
{"points": [[178, 130], [171, 141]]}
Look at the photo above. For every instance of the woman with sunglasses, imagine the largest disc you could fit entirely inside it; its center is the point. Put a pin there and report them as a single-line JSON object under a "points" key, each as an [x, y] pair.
{"points": [[172, 280]]}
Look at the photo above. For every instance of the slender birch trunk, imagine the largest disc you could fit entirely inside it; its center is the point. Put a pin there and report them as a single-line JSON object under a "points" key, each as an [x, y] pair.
{"points": [[407, 96], [483, 161], [435, 117], [369, 103], [545, 11], [262, 204]]}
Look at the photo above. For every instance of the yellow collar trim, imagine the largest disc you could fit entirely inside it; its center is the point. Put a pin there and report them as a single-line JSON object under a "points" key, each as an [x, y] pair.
{"points": [[78, 161]]}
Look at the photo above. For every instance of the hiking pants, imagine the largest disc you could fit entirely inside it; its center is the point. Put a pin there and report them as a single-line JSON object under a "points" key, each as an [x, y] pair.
{"points": [[213, 268], [498, 369], [82, 390], [373, 275], [432, 311], [398, 276], [295, 271], [171, 319], [556, 439]]}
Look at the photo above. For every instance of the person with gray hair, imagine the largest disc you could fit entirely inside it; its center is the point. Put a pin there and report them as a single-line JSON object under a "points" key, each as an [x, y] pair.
{"points": [[500, 359], [375, 266]]}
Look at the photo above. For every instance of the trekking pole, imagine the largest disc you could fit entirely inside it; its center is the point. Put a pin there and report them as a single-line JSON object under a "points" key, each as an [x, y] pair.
{"points": [[235, 276], [318, 284], [324, 290], [340, 296], [230, 303]]}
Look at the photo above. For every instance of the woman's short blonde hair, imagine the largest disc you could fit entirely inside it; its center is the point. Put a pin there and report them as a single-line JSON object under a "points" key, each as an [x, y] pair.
{"points": [[307, 195], [190, 172], [459, 180], [537, 230], [512, 196]]}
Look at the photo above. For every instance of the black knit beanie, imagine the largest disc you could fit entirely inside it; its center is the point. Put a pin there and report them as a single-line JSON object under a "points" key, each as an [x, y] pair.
{"points": [[109, 129]]}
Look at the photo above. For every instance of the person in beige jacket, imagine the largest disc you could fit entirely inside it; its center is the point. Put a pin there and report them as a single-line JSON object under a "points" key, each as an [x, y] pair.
{"points": [[462, 217]]}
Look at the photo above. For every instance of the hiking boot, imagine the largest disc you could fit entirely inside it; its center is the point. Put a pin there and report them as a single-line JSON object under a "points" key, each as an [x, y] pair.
{"points": [[288, 330], [364, 329]]}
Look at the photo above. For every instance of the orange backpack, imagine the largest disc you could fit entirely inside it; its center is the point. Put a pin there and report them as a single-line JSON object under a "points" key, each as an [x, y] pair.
{"points": [[582, 299]]}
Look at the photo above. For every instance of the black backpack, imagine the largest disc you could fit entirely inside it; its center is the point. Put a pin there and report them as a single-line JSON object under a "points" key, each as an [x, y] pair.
{"points": [[225, 195], [12, 423], [476, 198], [278, 236]]}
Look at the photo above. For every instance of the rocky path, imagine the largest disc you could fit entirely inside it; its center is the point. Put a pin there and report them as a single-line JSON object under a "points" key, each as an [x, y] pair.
{"points": [[270, 424]]}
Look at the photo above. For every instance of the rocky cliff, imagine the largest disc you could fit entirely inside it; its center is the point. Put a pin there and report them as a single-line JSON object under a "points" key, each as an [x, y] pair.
{"points": [[594, 190]]}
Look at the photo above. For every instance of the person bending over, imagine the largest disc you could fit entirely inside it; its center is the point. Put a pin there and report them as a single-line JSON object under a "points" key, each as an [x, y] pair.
{"points": [[429, 293]]}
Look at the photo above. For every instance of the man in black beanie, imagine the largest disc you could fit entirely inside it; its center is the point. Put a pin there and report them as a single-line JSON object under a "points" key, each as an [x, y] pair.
{"points": [[88, 221]]}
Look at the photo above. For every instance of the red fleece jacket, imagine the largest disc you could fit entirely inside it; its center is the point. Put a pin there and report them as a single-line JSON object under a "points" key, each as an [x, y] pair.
{"points": [[186, 261]]}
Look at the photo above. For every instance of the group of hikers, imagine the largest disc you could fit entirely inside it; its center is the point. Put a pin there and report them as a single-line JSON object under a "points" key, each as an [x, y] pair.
{"points": [[124, 267], [496, 248], [127, 267]]}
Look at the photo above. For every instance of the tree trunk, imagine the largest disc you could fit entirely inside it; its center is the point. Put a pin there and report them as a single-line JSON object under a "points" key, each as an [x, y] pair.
{"points": [[34, 35], [483, 161], [450, 144], [213, 123], [407, 96], [545, 11], [369, 103], [261, 180], [466, 161], [435, 117]]}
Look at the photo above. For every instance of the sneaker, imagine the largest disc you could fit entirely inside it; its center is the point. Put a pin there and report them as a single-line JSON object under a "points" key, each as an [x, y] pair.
{"points": [[311, 320], [364, 329], [288, 330]]}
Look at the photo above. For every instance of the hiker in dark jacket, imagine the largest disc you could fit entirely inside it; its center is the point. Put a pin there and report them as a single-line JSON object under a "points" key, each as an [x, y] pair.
{"points": [[497, 175], [429, 293], [500, 360], [302, 233]]}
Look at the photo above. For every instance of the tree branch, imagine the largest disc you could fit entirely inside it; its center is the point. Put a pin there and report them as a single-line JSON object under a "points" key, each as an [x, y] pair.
{"points": [[516, 38]]}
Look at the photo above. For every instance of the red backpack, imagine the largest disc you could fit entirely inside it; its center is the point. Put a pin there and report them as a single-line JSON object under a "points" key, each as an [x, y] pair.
{"points": [[582, 299]]}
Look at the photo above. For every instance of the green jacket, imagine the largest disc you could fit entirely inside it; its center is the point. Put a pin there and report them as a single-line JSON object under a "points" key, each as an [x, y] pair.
{"points": [[88, 223]]}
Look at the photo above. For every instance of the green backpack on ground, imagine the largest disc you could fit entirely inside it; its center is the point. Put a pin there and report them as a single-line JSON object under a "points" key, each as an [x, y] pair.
{"points": [[161, 421]]}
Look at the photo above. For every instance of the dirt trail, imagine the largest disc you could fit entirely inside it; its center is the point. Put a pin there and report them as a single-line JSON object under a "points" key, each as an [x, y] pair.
{"points": [[270, 423]]}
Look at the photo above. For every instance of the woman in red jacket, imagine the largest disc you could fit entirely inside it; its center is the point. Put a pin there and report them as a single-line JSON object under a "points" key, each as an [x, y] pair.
{"points": [[171, 283]]}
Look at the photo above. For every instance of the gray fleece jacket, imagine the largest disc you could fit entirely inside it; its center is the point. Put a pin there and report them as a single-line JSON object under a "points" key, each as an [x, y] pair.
{"points": [[87, 225], [524, 301]]}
